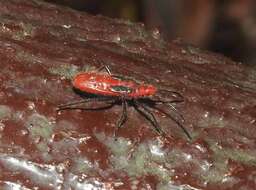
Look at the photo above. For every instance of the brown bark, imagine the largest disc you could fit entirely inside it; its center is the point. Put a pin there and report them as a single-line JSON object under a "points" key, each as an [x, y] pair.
{"points": [[42, 46]]}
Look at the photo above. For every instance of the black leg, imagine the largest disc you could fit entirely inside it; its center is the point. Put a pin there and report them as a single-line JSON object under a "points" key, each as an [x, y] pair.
{"points": [[176, 121], [153, 103], [149, 116], [179, 98], [74, 105], [176, 112], [123, 117], [160, 101], [70, 104]]}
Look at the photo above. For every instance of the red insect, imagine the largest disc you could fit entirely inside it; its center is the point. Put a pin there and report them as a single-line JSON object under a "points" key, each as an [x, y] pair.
{"points": [[118, 89]]}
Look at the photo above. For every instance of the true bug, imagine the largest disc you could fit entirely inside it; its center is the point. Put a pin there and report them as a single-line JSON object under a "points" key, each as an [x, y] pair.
{"points": [[116, 89]]}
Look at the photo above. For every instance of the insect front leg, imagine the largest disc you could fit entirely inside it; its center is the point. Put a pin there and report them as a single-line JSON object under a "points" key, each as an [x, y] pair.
{"points": [[178, 115], [144, 111], [175, 120], [170, 102], [176, 97]]}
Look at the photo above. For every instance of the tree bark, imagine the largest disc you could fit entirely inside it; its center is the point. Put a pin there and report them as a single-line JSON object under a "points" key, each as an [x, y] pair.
{"points": [[43, 47]]}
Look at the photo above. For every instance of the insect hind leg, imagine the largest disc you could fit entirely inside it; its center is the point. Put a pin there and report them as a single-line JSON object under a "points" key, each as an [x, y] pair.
{"points": [[75, 104]]}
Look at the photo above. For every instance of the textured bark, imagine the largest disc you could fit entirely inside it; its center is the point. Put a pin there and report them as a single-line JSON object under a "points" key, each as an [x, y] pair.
{"points": [[42, 46]]}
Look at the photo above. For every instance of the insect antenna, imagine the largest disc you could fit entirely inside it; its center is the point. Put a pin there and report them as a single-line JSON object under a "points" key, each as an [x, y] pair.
{"points": [[106, 68]]}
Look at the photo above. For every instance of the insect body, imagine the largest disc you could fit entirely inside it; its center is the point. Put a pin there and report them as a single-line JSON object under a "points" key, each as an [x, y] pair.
{"points": [[107, 85], [117, 89]]}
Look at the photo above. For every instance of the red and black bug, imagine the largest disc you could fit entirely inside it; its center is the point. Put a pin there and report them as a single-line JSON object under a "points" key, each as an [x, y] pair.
{"points": [[116, 89]]}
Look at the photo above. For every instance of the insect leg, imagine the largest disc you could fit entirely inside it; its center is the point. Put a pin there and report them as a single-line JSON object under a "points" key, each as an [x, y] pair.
{"points": [[179, 98], [143, 110], [176, 121], [123, 117], [170, 103], [64, 106], [176, 112], [73, 105]]}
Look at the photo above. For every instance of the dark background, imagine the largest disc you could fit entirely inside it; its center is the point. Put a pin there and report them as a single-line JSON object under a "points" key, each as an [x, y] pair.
{"points": [[227, 27]]}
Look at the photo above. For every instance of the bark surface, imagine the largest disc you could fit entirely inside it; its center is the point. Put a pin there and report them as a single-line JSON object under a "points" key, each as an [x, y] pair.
{"points": [[43, 46]]}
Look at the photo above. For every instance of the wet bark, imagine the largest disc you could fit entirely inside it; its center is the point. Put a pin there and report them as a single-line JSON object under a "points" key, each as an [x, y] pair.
{"points": [[43, 46]]}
